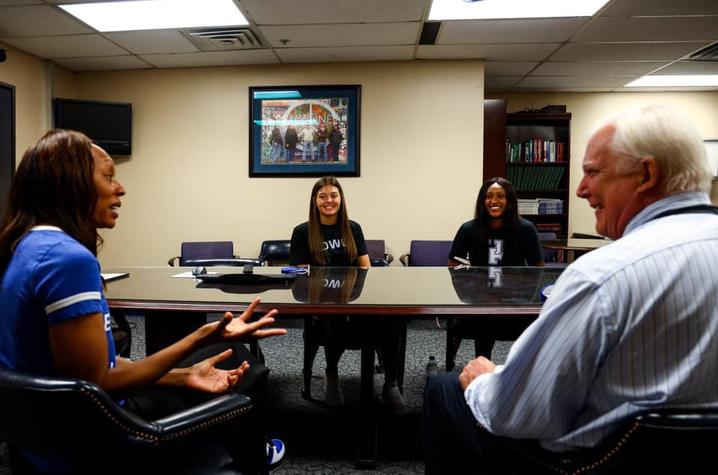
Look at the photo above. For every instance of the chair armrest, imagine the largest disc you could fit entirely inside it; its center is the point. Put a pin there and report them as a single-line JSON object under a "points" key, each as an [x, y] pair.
{"points": [[219, 410], [172, 261], [404, 259], [388, 258]]}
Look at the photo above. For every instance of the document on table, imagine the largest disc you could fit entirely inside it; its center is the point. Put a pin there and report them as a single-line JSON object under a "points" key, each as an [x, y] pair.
{"points": [[109, 277]]}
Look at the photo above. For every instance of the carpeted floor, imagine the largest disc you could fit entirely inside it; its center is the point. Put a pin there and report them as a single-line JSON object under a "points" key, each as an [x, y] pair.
{"points": [[320, 440]]}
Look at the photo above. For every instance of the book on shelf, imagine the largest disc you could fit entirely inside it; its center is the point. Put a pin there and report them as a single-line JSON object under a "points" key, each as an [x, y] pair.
{"points": [[535, 150]]}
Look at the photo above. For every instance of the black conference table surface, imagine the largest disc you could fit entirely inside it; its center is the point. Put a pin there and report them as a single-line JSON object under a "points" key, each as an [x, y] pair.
{"points": [[405, 291], [389, 292]]}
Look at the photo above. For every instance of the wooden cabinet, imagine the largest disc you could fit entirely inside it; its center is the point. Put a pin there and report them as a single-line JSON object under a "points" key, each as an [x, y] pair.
{"points": [[537, 153]]}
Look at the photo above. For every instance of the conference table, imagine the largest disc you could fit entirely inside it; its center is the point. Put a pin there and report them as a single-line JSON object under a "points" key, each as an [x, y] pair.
{"points": [[170, 296]]}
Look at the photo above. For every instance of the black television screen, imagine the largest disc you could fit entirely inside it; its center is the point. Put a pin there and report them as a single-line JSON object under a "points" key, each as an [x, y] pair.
{"points": [[108, 124]]}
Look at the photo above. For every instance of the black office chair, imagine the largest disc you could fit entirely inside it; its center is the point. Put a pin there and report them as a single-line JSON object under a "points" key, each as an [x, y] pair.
{"points": [[656, 441], [377, 253], [274, 252], [206, 254], [78, 422], [210, 253]]}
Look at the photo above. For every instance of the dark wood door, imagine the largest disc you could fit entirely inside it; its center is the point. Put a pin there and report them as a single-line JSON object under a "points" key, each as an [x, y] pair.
{"points": [[7, 142]]}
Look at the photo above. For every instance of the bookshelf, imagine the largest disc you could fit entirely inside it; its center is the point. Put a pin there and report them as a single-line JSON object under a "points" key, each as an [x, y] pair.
{"points": [[537, 163], [535, 157]]}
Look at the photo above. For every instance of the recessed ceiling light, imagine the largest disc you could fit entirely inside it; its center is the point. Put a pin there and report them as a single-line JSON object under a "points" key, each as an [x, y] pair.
{"points": [[657, 80], [157, 14], [493, 9]]}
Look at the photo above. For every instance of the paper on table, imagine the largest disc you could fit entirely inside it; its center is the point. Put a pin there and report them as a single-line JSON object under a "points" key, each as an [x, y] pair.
{"points": [[189, 275], [109, 277]]}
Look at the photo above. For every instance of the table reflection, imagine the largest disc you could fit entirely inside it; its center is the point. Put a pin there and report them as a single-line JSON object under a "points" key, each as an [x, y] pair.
{"points": [[502, 285], [327, 285]]}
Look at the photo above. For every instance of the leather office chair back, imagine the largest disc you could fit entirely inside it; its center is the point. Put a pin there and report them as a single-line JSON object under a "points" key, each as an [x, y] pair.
{"points": [[377, 253], [78, 421], [275, 252], [211, 253], [427, 253], [657, 441], [206, 250], [203, 250]]}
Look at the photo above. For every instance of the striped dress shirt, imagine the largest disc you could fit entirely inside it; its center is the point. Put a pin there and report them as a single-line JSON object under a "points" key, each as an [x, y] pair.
{"points": [[627, 327]]}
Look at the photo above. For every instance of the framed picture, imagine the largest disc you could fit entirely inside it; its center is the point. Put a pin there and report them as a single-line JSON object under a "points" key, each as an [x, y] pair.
{"points": [[304, 131]]}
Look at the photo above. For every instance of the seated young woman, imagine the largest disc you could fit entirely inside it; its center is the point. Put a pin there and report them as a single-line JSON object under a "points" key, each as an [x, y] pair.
{"points": [[330, 238], [497, 236], [55, 320]]}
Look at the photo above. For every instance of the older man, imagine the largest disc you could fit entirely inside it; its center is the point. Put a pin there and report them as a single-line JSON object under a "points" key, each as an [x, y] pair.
{"points": [[628, 327]]}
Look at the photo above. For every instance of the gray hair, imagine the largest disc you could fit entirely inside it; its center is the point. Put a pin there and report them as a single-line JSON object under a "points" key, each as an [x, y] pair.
{"points": [[669, 137]]}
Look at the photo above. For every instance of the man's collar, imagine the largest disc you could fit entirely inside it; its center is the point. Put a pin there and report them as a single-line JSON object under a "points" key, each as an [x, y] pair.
{"points": [[674, 201]]}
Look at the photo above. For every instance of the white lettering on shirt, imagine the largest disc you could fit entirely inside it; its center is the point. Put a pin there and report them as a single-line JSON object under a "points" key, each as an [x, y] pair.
{"points": [[333, 244], [496, 251]]}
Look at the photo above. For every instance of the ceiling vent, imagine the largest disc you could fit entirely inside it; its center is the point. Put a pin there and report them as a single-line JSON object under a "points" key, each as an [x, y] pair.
{"points": [[224, 39], [709, 53]]}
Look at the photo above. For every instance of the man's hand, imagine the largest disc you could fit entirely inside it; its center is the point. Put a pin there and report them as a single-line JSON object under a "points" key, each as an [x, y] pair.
{"points": [[475, 368], [205, 376]]}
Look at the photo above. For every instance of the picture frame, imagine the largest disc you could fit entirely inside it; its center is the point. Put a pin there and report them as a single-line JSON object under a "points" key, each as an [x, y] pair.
{"points": [[304, 131]]}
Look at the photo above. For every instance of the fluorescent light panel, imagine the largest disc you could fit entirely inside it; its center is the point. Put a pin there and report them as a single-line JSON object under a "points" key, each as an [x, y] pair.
{"points": [[697, 80], [157, 14], [494, 9]]}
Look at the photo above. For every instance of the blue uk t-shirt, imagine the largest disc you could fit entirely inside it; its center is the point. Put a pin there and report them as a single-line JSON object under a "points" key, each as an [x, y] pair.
{"points": [[51, 278]]}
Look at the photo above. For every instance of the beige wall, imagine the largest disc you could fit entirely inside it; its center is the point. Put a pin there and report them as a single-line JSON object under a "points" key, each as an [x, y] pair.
{"points": [[591, 110], [421, 148], [27, 74]]}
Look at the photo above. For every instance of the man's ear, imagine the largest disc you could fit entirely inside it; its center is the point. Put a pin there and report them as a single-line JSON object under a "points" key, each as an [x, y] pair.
{"points": [[649, 175]]}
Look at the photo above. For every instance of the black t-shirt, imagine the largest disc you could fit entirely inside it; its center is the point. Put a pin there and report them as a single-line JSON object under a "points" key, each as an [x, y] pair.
{"points": [[300, 254], [526, 249]]}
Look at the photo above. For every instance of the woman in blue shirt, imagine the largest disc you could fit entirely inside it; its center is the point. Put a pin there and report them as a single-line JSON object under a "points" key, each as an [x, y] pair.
{"points": [[55, 320]]}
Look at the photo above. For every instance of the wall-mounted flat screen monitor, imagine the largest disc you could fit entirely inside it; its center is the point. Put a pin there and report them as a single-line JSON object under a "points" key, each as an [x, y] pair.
{"points": [[108, 124]]}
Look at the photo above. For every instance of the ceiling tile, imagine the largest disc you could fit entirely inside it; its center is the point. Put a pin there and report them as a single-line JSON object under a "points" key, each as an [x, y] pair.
{"points": [[553, 30], [625, 51], [298, 12], [660, 7], [501, 81], [352, 53], [649, 29], [211, 58], [508, 68], [690, 67], [67, 46], [38, 20], [572, 81], [367, 34], [102, 63], [562, 89], [666, 89], [503, 52], [153, 41], [598, 68]]}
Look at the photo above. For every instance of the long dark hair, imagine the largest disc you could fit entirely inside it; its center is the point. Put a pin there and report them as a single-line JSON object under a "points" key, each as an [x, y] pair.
{"points": [[53, 185], [510, 221], [316, 238]]}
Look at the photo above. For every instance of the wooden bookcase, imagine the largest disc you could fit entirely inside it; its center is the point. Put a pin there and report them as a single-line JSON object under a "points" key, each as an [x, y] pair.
{"points": [[536, 158]]}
